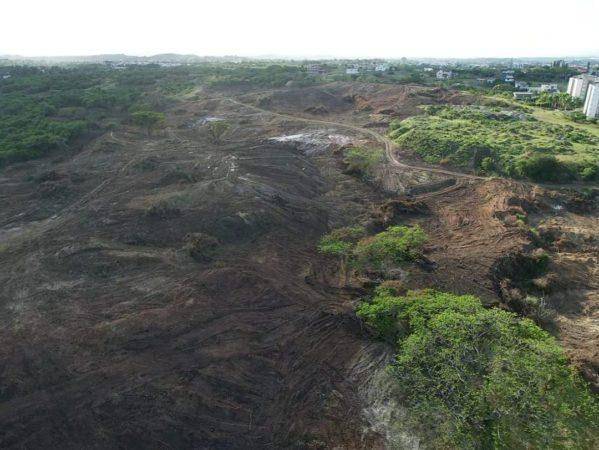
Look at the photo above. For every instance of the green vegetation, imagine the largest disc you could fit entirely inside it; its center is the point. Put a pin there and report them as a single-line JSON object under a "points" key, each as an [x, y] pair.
{"points": [[43, 110], [390, 248], [148, 120], [559, 100], [341, 242], [497, 141], [216, 130], [394, 246], [477, 378], [362, 162]]}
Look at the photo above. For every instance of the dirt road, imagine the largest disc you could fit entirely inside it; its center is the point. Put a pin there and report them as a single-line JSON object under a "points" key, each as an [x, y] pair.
{"points": [[388, 143]]}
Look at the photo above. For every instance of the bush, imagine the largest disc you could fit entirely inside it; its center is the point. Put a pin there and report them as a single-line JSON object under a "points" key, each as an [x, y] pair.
{"points": [[542, 168], [481, 378], [394, 246], [148, 120], [362, 162], [340, 242], [382, 252], [163, 210], [201, 246], [590, 172]]}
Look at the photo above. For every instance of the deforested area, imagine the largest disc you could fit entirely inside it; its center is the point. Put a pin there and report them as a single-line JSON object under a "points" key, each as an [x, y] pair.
{"points": [[296, 252]]}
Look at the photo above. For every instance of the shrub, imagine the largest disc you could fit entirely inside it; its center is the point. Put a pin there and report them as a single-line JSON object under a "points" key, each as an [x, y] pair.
{"points": [[216, 130], [163, 210], [148, 120], [542, 168], [590, 172], [391, 247], [201, 246], [362, 162], [340, 242], [481, 378]]}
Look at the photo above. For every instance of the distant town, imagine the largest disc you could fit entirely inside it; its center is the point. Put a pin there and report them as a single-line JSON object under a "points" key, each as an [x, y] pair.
{"points": [[524, 79]]}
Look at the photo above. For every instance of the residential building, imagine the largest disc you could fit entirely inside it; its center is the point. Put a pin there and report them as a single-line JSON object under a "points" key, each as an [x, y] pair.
{"points": [[591, 104], [354, 70], [315, 69], [382, 67], [444, 74], [523, 85], [578, 85], [552, 87]]}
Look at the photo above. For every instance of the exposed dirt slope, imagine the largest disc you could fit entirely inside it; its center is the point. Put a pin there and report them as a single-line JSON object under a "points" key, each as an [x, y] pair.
{"points": [[115, 336], [164, 291]]}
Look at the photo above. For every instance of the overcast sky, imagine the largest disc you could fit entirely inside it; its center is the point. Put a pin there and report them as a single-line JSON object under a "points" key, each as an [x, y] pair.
{"points": [[342, 28]]}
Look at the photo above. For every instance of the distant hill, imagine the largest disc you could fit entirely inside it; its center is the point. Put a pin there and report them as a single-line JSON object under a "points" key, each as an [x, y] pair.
{"points": [[120, 58]]}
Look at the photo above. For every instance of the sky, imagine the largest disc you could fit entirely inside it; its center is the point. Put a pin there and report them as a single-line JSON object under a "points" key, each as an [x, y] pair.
{"points": [[301, 28]]}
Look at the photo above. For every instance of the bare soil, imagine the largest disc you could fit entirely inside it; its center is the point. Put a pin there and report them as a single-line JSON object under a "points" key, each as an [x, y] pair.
{"points": [[165, 291]]}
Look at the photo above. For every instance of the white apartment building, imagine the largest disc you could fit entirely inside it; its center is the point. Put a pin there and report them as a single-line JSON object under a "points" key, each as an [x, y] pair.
{"points": [[578, 85], [354, 70], [591, 104]]}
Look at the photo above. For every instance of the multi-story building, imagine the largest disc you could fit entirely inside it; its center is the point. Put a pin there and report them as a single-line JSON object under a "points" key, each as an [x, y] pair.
{"points": [[578, 85], [591, 104]]}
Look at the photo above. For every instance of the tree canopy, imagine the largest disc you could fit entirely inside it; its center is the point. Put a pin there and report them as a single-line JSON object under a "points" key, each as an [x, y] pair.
{"points": [[474, 377]]}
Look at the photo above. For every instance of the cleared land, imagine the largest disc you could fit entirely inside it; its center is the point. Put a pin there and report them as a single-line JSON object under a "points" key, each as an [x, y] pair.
{"points": [[165, 289]]}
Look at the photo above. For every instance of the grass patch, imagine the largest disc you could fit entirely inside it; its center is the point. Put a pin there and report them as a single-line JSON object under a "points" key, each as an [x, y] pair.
{"points": [[499, 141], [481, 378]]}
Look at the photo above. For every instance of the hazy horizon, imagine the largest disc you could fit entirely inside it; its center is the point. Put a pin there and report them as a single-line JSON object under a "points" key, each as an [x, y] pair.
{"points": [[300, 57], [265, 28]]}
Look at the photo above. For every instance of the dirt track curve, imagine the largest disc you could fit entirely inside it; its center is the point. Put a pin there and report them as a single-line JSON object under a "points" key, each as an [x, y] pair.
{"points": [[388, 143]]}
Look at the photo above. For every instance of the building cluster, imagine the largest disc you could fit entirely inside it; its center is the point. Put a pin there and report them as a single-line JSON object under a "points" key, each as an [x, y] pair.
{"points": [[508, 76], [356, 69], [444, 74], [352, 69], [524, 91], [586, 88]]}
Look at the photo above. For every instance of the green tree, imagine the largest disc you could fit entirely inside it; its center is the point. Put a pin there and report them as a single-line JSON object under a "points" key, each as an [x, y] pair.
{"points": [[149, 120], [478, 378], [216, 130]]}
